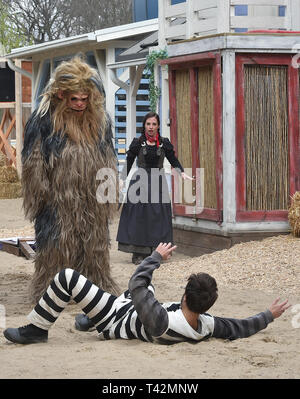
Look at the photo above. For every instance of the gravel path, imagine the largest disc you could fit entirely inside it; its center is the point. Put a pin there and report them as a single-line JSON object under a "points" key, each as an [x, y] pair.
{"points": [[271, 265]]}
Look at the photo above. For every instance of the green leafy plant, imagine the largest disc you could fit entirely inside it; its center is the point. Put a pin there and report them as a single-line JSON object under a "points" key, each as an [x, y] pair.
{"points": [[154, 91], [9, 36]]}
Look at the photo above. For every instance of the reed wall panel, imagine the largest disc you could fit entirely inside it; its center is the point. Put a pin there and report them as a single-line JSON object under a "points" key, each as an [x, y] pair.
{"points": [[266, 137], [183, 118], [207, 148]]}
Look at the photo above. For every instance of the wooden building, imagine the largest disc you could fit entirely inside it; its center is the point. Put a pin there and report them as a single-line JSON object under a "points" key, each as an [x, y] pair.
{"points": [[232, 80]]}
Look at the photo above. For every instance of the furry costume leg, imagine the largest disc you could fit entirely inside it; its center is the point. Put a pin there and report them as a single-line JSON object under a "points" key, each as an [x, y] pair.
{"points": [[64, 242], [50, 261]]}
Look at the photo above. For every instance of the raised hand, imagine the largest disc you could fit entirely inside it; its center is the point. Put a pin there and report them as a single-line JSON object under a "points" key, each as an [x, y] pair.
{"points": [[277, 309], [165, 250]]}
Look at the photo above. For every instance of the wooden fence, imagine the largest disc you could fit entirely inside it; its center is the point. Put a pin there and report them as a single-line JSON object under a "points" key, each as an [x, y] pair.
{"points": [[8, 129], [195, 18]]}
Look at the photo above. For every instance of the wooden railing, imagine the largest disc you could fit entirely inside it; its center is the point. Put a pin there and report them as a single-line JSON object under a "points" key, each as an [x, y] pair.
{"points": [[8, 129], [195, 18]]}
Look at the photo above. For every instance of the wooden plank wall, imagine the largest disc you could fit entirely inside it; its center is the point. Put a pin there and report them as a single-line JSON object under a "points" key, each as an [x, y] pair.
{"points": [[200, 18], [194, 243]]}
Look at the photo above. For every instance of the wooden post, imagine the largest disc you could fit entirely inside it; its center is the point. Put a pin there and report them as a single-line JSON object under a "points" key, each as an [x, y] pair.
{"points": [[164, 117], [165, 120], [101, 65], [37, 68], [224, 16], [189, 19], [294, 6], [135, 76], [19, 124], [162, 22], [229, 193], [111, 87]]}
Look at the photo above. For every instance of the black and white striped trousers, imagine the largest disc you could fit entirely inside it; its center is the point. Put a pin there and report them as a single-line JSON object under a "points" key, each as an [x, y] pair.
{"points": [[69, 284]]}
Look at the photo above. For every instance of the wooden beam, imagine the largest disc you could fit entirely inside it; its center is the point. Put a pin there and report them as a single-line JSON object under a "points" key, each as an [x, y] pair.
{"points": [[134, 86], [19, 118], [162, 23], [131, 109], [7, 105], [26, 250], [229, 159], [177, 61], [8, 149], [10, 248], [223, 24], [294, 11], [260, 2], [36, 73], [9, 129], [101, 65], [264, 22]]}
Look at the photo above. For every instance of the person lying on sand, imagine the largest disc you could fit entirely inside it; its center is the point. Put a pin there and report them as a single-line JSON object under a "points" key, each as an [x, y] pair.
{"points": [[137, 314]]}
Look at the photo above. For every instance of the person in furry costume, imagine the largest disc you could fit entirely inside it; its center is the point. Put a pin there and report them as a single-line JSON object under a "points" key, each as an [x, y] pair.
{"points": [[67, 140]]}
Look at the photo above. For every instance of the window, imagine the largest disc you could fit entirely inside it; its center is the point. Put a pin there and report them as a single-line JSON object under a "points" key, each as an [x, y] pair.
{"points": [[241, 10], [281, 11]]}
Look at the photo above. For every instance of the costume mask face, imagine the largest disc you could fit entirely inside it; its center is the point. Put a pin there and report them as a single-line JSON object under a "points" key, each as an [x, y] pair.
{"points": [[76, 101]]}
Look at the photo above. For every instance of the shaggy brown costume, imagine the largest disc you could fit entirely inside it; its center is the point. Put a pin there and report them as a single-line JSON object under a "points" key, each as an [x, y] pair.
{"points": [[59, 181]]}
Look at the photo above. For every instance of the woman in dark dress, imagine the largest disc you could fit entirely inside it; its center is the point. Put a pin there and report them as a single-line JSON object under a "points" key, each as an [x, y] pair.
{"points": [[146, 217]]}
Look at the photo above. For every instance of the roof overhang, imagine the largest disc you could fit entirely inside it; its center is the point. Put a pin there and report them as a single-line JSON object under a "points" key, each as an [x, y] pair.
{"points": [[125, 31], [113, 36], [30, 51], [125, 64]]}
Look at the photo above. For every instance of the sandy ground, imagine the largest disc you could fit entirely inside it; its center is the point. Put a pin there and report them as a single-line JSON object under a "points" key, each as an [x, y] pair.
{"points": [[69, 354]]}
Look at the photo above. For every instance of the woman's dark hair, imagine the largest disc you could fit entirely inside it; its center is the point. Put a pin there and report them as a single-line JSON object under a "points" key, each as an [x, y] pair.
{"points": [[201, 292], [150, 115]]}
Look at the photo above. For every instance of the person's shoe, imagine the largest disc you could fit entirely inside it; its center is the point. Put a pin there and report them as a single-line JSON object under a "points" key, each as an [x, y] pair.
{"points": [[29, 334], [83, 323], [133, 259], [138, 258]]}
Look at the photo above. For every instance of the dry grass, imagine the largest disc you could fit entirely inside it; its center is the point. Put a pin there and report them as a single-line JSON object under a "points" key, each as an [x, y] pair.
{"points": [[8, 174], [10, 190], [294, 214], [10, 186], [3, 160]]}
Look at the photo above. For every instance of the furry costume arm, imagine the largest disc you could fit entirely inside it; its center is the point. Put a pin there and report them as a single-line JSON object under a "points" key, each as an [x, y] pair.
{"points": [[109, 161], [109, 133], [35, 182], [106, 145]]}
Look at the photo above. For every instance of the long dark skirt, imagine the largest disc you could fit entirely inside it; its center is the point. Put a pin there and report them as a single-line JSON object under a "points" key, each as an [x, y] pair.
{"points": [[146, 217]]}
